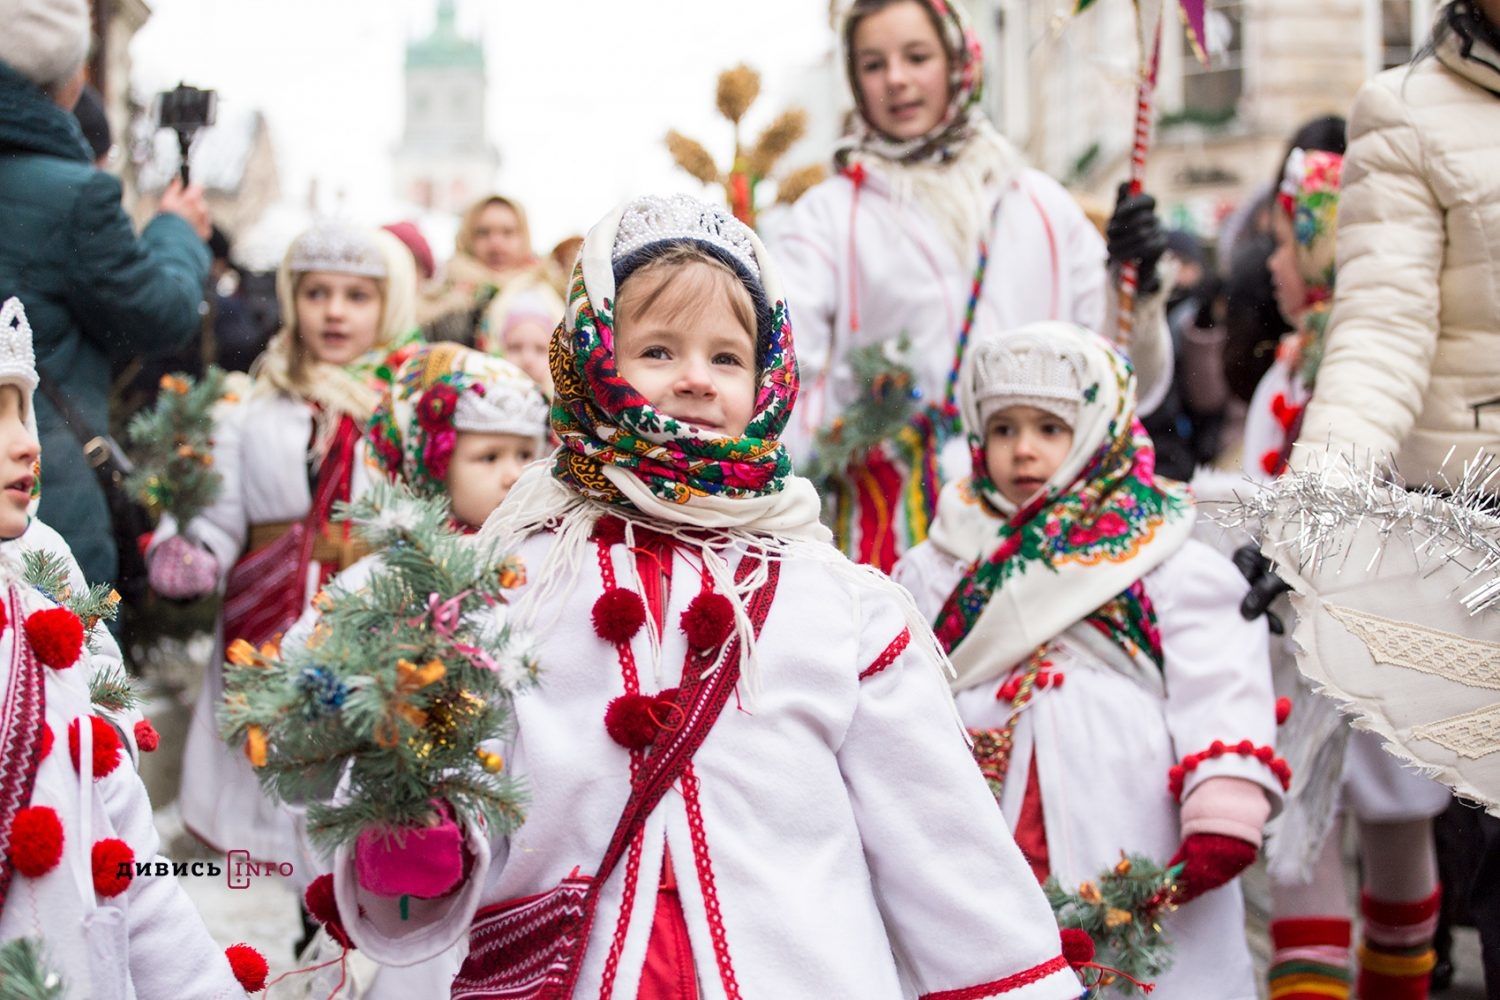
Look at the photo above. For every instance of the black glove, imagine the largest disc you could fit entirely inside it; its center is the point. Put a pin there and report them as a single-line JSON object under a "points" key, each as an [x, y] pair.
{"points": [[1265, 586], [1134, 234]]}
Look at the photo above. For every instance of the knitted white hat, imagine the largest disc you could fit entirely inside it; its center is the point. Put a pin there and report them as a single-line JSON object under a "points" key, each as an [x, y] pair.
{"points": [[506, 401], [18, 358], [654, 219], [339, 248], [44, 40], [1027, 368]]}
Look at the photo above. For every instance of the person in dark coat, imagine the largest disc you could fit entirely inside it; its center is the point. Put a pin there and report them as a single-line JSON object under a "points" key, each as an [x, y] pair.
{"points": [[94, 290]]}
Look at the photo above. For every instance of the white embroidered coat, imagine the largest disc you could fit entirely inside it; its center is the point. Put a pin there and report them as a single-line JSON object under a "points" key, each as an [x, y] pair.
{"points": [[899, 273], [1104, 739], [261, 448], [835, 839], [147, 942]]}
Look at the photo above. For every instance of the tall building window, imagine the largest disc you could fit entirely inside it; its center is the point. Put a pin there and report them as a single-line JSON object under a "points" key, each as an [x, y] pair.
{"points": [[1213, 92]]}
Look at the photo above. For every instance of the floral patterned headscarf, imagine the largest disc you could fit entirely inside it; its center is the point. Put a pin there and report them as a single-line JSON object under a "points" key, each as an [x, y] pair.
{"points": [[604, 423], [1310, 197], [965, 83], [1076, 551], [439, 391]]}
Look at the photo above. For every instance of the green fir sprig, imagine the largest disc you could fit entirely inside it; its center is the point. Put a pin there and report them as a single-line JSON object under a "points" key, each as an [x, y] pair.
{"points": [[48, 574], [172, 447], [405, 685], [1120, 910], [24, 974], [890, 398]]}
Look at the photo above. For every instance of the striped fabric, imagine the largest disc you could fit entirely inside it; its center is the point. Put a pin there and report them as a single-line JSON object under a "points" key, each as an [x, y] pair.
{"points": [[1310, 960], [1395, 955]]}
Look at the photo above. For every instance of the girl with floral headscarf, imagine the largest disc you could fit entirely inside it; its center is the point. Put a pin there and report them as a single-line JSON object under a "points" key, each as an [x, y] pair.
{"points": [[1063, 558], [287, 443], [825, 833], [932, 232]]}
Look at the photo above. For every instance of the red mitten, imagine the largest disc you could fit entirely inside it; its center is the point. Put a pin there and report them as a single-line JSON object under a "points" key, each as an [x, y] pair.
{"points": [[1208, 861], [427, 863]]}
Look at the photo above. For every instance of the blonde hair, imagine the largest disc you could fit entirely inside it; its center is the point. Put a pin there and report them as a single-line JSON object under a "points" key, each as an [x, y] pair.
{"points": [[687, 296], [464, 242], [284, 365]]}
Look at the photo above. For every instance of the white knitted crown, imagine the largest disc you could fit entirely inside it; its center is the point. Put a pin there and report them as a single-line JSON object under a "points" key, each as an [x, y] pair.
{"points": [[507, 408], [654, 219], [1029, 370], [336, 247], [17, 356]]}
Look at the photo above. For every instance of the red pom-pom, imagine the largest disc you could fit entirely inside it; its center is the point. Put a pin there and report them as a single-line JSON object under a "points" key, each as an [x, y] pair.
{"points": [[1077, 946], [4, 618], [1190, 762], [36, 841], [1176, 773], [1265, 755], [113, 861], [321, 907], [1271, 462], [1245, 748], [1216, 749], [619, 615], [609, 530], [708, 621], [249, 967], [1283, 710], [146, 736], [46, 739], [56, 636], [106, 746], [629, 722]]}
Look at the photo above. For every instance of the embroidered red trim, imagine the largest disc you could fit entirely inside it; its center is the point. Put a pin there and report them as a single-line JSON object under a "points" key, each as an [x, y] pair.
{"points": [[1034, 974], [1177, 773], [706, 883], [891, 654]]}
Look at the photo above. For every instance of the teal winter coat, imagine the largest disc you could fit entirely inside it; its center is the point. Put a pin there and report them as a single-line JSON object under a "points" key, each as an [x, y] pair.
{"points": [[93, 291]]}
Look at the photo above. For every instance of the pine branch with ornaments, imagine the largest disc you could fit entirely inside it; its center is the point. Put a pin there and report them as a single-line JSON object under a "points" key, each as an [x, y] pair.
{"points": [[1119, 912], [172, 446], [404, 691]]}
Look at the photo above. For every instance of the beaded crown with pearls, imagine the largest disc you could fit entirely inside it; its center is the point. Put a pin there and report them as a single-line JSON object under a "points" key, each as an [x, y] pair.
{"points": [[17, 356], [656, 219], [337, 247], [1029, 370]]}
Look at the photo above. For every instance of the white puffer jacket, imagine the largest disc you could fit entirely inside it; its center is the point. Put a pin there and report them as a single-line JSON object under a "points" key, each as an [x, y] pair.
{"points": [[1414, 339]]}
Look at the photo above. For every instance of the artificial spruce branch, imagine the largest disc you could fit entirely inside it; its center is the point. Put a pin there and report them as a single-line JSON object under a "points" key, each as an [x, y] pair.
{"points": [[889, 400], [48, 573], [403, 689], [1121, 911], [172, 446], [24, 974]]}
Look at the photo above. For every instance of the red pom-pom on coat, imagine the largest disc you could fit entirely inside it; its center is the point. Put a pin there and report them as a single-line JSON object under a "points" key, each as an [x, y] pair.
{"points": [[629, 721], [707, 622], [1077, 946], [4, 618], [1283, 710], [106, 746], [321, 907], [47, 739], [110, 858], [249, 967], [609, 530], [56, 636], [619, 615], [36, 841], [146, 736]]}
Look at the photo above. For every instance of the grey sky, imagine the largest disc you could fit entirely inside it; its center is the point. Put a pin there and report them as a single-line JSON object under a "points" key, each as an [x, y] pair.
{"points": [[581, 91]]}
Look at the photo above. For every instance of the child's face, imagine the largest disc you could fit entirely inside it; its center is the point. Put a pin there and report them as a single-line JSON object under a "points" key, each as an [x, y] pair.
{"points": [[902, 68], [525, 344], [19, 450], [1291, 289], [699, 369], [499, 242], [1023, 447], [338, 315], [482, 470]]}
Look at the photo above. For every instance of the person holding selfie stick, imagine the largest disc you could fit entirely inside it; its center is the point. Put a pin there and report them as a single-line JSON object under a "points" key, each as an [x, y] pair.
{"points": [[94, 290]]}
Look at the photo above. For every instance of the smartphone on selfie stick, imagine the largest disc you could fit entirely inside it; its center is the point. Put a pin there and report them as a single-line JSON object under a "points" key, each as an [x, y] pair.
{"points": [[186, 110]]}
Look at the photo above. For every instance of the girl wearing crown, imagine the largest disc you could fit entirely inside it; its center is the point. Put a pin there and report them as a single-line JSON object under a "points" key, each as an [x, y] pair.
{"points": [[752, 804], [933, 231], [1117, 700], [288, 449]]}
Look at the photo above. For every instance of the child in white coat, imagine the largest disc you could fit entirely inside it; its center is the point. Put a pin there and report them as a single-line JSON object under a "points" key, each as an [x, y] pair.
{"points": [[826, 835], [1063, 558], [71, 836], [288, 448]]}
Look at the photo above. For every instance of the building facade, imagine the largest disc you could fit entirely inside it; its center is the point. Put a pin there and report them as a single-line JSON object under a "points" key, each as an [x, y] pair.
{"points": [[445, 159]]}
